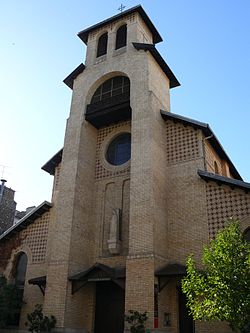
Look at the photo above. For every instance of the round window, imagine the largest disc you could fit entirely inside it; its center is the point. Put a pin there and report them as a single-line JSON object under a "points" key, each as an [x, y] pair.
{"points": [[119, 150]]}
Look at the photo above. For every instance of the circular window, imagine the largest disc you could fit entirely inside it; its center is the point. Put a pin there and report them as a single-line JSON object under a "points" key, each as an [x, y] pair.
{"points": [[119, 150]]}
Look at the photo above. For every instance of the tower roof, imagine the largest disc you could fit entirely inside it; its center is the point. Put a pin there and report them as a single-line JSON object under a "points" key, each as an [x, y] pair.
{"points": [[161, 62], [51, 165], [83, 35]]}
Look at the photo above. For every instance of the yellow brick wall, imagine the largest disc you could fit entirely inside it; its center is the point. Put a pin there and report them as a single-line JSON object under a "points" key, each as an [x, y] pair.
{"points": [[56, 182], [211, 157], [182, 143], [140, 286]]}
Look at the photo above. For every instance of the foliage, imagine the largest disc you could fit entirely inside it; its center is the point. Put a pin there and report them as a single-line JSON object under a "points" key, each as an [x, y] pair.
{"points": [[10, 302], [37, 322], [222, 290], [137, 321]]}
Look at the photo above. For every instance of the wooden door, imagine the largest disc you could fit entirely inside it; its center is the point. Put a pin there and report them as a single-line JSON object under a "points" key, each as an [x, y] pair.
{"points": [[109, 308], [186, 323]]}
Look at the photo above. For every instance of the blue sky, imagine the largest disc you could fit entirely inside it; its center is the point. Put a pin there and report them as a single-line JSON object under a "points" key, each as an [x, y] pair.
{"points": [[206, 44]]}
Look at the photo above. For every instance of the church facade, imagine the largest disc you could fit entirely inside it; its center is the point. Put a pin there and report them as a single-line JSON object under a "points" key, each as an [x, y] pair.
{"points": [[137, 188]]}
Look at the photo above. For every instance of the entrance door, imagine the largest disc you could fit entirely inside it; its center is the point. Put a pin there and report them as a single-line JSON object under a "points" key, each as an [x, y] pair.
{"points": [[109, 308], [186, 323]]}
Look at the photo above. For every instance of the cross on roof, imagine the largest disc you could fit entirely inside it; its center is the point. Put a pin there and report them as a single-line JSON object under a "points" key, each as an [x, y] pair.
{"points": [[3, 167], [121, 8]]}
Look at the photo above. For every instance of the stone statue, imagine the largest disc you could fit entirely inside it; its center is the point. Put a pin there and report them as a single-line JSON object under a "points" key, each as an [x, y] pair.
{"points": [[114, 243]]}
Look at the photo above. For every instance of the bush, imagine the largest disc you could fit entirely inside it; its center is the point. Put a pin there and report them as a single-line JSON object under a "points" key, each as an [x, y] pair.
{"points": [[10, 302], [37, 322], [137, 321]]}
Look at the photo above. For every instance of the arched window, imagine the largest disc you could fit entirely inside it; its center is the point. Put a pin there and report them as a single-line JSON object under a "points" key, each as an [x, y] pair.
{"points": [[102, 45], [216, 168], [20, 270], [18, 275], [121, 37], [113, 87], [246, 234]]}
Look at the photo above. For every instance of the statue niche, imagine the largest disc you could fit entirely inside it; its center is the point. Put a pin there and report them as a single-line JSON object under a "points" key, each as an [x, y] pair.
{"points": [[114, 241]]}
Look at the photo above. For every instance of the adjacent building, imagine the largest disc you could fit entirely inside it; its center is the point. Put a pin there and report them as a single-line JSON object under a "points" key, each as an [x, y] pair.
{"points": [[7, 206]]}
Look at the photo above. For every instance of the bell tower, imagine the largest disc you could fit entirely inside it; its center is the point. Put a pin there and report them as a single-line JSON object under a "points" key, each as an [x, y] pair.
{"points": [[108, 226]]}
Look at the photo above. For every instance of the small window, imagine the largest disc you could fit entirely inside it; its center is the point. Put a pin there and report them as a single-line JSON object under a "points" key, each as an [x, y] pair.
{"points": [[216, 168], [121, 37], [119, 150], [102, 45]]}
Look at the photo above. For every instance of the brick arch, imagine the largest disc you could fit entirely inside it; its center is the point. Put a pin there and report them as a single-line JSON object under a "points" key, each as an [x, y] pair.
{"points": [[120, 24], [100, 81]]}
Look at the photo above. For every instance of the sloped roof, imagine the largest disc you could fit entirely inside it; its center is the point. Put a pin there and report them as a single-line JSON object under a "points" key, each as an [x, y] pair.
{"points": [[27, 220], [171, 270], [40, 280], [83, 35], [51, 165], [69, 80], [208, 176], [161, 62], [215, 143], [112, 272]]}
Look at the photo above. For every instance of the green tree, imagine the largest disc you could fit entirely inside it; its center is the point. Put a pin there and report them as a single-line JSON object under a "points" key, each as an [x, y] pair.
{"points": [[10, 302], [222, 290]]}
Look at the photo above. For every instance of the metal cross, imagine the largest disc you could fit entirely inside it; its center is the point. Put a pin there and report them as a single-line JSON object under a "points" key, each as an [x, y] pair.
{"points": [[121, 8]]}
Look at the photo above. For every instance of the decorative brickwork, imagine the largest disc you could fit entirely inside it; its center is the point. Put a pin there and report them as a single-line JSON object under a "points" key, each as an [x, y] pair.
{"points": [[223, 203], [102, 169], [36, 238], [182, 143]]}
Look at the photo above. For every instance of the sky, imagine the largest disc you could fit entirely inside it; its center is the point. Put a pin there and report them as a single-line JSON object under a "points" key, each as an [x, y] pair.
{"points": [[205, 43]]}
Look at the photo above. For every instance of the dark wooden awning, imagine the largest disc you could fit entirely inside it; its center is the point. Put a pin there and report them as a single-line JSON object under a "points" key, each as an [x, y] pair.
{"points": [[97, 273], [109, 111], [169, 271], [40, 282]]}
